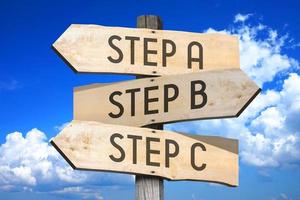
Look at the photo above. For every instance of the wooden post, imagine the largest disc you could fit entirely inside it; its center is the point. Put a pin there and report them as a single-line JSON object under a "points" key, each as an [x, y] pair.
{"points": [[149, 187]]}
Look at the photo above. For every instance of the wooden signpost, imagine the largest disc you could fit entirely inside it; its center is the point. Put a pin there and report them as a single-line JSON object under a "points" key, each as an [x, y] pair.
{"points": [[100, 49], [198, 78], [202, 95], [175, 156], [149, 187]]}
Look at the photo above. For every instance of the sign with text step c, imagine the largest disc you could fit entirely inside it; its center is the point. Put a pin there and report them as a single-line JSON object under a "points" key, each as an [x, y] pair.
{"points": [[175, 156]]}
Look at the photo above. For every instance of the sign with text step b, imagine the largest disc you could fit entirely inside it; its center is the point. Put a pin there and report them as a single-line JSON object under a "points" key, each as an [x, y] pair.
{"points": [[202, 95]]}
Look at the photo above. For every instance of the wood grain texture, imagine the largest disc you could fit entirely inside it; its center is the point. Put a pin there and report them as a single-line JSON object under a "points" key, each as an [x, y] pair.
{"points": [[87, 145], [85, 48], [228, 93], [149, 22], [149, 187]]}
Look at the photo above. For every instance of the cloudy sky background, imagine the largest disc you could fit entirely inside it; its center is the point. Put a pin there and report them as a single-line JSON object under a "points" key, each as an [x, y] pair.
{"points": [[36, 86]]}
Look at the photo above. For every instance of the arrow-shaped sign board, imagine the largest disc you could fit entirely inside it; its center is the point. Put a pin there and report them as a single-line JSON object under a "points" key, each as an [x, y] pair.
{"points": [[100, 49], [203, 95], [98, 146]]}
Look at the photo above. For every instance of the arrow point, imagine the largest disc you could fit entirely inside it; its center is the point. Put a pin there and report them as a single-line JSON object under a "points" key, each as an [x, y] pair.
{"points": [[248, 102], [62, 154], [55, 49]]}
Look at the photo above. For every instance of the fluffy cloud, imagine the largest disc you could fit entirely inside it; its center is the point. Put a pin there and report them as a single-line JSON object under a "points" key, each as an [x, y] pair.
{"points": [[261, 54], [269, 128], [84, 193], [262, 59], [241, 18], [24, 158], [30, 163], [271, 137]]}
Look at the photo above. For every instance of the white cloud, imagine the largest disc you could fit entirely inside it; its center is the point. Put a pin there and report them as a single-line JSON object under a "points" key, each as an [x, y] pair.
{"points": [[9, 84], [85, 193], [261, 54], [268, 130], [281, 196], [284, 196], [269, 120], [30, 163], [262, 59], [267, 138], [67, 174], [241, 18], [61, 127], [24, 158], [281, 137]]}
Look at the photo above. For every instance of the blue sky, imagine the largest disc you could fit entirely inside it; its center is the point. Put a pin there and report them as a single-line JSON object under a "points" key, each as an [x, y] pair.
{"points": [[36, 96]]}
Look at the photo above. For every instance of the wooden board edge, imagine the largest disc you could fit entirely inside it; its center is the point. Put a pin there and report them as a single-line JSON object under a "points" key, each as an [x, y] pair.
{"points": [[91, 86], [133, 173], [75, 167], [73, 68], [139, 73], [94, 85], [157, 30], [62, 154], [204, 138], [248, 102], [64, 59], [165, 178]]}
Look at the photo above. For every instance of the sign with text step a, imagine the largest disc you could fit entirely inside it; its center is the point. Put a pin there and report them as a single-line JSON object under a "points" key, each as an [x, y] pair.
{"points": [[101, 49]]}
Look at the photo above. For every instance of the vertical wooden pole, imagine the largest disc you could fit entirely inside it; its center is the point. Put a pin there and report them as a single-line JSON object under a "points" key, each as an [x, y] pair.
{"points": [[149, 187]]}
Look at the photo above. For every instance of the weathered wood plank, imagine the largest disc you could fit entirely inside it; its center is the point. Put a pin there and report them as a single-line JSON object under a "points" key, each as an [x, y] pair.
{"points": [[203, 95], [149, 187], [98, 49], [175, 156], [149, 22]]}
